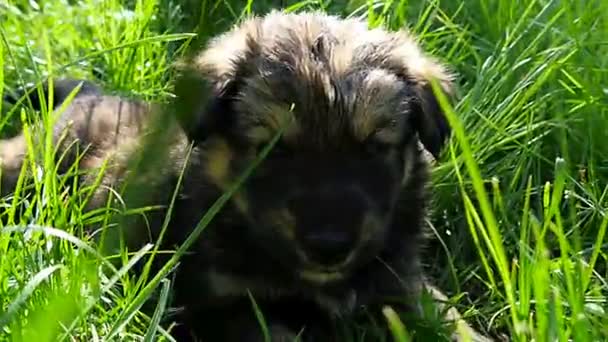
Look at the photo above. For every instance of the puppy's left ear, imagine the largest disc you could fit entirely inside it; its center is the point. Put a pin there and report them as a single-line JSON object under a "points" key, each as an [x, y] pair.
{"points": [[209, 81], [419, 70]]}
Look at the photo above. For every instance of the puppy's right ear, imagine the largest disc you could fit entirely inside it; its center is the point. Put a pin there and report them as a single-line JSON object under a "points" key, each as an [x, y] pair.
{"points": [[208, 84]]}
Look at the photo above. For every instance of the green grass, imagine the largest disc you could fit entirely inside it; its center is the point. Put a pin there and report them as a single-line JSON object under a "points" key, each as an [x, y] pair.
{"points": [[520, 193]]}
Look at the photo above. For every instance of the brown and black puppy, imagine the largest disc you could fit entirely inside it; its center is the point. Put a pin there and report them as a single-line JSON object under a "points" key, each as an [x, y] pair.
{"points": [[331, 221]]}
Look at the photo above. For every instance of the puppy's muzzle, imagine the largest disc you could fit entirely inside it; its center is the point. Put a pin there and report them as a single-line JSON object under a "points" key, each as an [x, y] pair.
{"points": [[329, 246], [328, 223]]}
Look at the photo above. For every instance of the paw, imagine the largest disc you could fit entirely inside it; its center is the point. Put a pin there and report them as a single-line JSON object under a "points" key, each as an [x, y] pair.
{"points": [[464, 332]]}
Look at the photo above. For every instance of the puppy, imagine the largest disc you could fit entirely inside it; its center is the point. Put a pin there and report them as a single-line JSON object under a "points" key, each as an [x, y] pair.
{"points": [[331, 222]]}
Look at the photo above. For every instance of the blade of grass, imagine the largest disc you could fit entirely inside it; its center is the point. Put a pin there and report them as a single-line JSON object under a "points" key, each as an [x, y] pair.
{"points": [[158, 313], [499, 254]]}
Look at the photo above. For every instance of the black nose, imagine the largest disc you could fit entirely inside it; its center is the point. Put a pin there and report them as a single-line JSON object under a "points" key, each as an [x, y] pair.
{"points": [[328, 247]]}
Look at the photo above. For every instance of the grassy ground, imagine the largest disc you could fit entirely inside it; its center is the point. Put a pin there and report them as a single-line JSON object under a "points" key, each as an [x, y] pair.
{"points": [[521, 192]]}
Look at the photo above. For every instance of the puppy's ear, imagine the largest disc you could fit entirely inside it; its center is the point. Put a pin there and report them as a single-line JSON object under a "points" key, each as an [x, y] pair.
{"points": [[429, 118], [202, 108], [208, 84], [419, 70]]}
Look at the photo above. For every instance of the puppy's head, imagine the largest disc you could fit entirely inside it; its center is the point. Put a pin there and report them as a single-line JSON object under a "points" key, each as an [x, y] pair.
{"points": [[352, 103]]}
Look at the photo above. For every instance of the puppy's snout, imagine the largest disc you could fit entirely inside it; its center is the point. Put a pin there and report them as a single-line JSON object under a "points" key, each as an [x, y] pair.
{"points": [[328, 222], [328, 247]]}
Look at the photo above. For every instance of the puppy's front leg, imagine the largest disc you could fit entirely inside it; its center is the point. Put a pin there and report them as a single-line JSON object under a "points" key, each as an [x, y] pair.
{"points": [[452, 315]]}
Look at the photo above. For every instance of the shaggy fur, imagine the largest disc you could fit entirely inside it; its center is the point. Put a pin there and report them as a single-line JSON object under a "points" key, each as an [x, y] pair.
{"points": [[332, 220]]}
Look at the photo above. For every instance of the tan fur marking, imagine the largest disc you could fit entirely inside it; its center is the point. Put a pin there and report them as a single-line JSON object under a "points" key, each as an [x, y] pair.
{"points": [[217, 165], [275, 118], [278, 117], [226, 285], [258, 134], [375, 105], [271, 116], [218, 157], [320, 277]]}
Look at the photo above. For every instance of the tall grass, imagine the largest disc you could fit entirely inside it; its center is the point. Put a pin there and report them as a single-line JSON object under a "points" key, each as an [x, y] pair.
{"points": [[520, 193]]}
